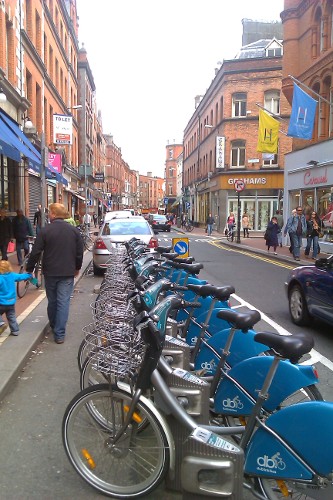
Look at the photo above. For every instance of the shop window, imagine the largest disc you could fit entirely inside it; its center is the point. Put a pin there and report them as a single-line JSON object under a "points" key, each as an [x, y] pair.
{"points": [[239, 104], [238, 154]]}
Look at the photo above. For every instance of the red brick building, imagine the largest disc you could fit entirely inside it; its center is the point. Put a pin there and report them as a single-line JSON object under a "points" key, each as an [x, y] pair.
{"points": [[150, 193], [38, 74], [308, 56], [220, 140], [173, 151]]}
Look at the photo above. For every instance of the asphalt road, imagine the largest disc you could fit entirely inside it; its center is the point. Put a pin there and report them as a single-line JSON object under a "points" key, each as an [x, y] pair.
{"points": [[34, 464]]}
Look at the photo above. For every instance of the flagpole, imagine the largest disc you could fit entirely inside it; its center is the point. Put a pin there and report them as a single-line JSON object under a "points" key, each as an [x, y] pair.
{"points": [[278, 117], [310, 89]]}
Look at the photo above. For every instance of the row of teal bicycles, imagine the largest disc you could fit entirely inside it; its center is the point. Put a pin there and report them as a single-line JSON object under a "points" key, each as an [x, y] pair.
{"points": [[179, 387]]}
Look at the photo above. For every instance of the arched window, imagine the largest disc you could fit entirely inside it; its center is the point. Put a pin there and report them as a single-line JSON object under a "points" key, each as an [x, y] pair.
{"points": [[237, 153]]}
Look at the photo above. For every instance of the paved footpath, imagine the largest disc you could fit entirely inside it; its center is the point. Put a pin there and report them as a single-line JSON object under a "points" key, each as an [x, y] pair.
{"points": [[32, 316]]}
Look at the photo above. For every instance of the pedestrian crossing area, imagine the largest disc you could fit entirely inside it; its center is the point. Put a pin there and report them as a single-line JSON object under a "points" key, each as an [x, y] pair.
{"points": [[162, 239]]}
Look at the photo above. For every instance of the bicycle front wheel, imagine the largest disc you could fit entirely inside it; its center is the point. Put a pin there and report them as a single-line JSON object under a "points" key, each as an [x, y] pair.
{"points": [[134, 465], [88, 243], [22, 286]]}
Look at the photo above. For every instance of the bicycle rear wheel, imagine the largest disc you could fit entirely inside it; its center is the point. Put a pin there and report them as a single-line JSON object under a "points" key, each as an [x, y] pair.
{"points": [[22, 286], [132, 467]]}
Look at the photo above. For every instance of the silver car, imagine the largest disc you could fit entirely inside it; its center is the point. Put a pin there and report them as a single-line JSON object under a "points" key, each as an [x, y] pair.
{"points": [[116, 231]]}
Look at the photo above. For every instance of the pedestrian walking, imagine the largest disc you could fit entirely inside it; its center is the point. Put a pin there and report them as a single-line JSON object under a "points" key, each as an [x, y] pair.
{"points": [[245, 225], [231, 221], [210, 221], [22, 229], [271, 234], [8, 281], [62, 247], [38, 219], [95, 219], [279, 218], [6, 233], [87, 219], [70, 219], [296, 228], [285, 232], [314, 227]]}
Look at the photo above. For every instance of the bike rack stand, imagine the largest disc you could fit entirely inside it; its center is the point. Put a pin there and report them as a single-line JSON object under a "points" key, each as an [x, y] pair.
{"points": [[176, 352], [206, 464]]}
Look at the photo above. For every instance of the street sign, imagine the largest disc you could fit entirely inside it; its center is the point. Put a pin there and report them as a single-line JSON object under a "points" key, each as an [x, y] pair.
{"points": [[99, 176], [187, 205], [166, 201], [239, 185], [181, 246]]}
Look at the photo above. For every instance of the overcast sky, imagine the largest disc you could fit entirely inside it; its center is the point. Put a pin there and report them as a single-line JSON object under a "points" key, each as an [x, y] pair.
{"points": [[150, 58]]}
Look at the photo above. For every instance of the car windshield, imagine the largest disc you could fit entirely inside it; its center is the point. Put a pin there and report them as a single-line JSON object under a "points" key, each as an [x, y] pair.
{"points": [[117, 227], [160, 218]]}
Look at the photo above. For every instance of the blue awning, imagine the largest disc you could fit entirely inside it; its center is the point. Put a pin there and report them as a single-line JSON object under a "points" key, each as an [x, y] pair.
{"points": [[31, 153], [6, 148], [9, 136]]}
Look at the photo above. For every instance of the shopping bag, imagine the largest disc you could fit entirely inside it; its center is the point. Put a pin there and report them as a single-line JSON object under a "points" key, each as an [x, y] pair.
{"points": [[11, 247]]}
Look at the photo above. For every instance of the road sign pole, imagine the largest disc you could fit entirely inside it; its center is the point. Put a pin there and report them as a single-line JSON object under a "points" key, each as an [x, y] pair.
{"points": [[239, 186], [238, 240]]}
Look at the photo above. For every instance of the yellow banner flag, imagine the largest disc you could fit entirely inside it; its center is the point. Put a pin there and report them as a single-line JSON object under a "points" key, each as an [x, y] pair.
{"points": [[268, 133]]}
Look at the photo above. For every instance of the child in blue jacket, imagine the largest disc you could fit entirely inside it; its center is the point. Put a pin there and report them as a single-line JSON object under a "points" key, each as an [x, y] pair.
{"points": [[8, 281]]}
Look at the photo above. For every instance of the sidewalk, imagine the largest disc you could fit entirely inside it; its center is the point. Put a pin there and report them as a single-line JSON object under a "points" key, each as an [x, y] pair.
{"points": [[32, 318]]}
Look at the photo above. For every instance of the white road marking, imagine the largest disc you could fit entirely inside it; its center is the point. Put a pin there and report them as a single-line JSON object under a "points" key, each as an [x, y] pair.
{"points": [[315, 356]]}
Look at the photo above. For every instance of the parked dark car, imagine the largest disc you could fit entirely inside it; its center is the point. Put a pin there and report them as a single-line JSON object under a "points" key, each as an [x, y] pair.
{"points": [[310, 292], [159, 222]]}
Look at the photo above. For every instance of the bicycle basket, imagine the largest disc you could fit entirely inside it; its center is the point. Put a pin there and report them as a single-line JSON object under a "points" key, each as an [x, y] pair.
{"points": [[118, 351]]}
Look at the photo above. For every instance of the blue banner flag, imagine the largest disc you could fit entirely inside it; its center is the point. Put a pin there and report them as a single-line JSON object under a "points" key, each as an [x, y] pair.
{"points": [[303, 114]]}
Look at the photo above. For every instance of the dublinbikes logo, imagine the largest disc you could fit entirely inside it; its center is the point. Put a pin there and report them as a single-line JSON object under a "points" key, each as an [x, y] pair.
{"points": [[209, 366], [271, 464], [194, 340], [233, 404]]}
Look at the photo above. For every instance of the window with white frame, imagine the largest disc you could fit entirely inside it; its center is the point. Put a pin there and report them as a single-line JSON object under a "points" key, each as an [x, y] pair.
{"points": [[239, 104], [274, 52], [238, 153], [272, 101], [269, 160]]}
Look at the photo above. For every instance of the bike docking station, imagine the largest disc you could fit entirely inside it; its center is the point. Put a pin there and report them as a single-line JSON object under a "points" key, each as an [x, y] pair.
{"points": [[206, 464]]}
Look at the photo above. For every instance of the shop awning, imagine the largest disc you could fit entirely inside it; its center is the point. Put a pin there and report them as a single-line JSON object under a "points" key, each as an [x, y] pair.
{"points": [[6, 148], [23, 145], [8, 135]]}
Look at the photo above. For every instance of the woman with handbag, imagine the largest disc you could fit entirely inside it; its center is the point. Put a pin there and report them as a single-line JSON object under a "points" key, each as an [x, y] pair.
{"points": [[314, 228], [6, 233]]}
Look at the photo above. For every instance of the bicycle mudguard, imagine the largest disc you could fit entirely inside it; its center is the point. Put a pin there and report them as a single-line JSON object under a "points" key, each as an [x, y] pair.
{"points": [[242, 347], [307, 428], [250, 375]]}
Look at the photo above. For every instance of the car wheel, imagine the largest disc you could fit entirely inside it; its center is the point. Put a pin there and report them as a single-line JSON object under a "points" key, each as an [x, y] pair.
{"points": [[97, 271], [297, 306], [169, 229]]}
